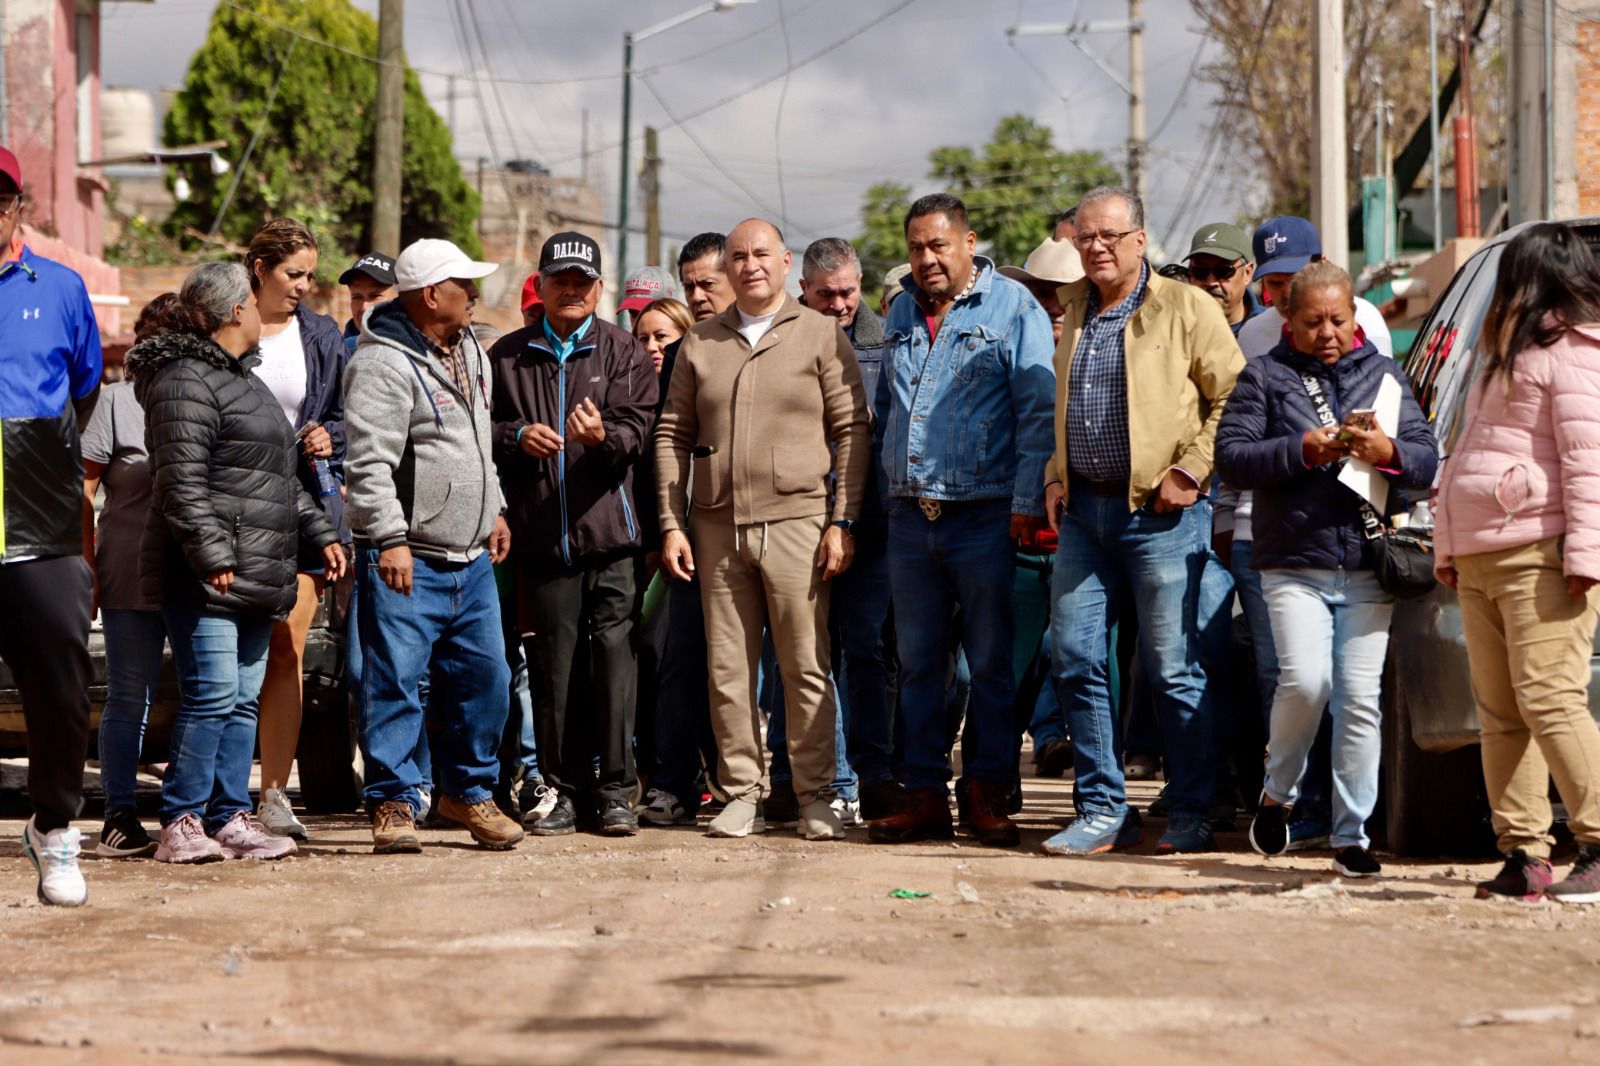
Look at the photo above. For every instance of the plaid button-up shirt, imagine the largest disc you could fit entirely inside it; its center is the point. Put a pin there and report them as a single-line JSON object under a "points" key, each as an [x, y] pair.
{"points": [[1097, 400]]}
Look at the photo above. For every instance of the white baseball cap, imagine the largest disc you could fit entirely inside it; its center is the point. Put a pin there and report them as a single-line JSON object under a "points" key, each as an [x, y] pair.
{"points": [[430, 261]]}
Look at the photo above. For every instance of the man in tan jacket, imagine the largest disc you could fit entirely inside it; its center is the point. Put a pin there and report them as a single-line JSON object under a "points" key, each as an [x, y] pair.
{"points": [[765, 403], [1143, 369]]}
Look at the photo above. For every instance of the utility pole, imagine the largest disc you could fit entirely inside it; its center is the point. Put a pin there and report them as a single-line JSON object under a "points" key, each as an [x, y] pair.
{"points": [[1329, 195], [584, 147], [1136, 106], [1466, 140], [650, 185], [450, 100], [390, 126]]}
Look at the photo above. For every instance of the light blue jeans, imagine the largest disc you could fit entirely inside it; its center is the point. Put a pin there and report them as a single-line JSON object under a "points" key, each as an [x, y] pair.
{"points": [[1331, 629], [134, 640]]}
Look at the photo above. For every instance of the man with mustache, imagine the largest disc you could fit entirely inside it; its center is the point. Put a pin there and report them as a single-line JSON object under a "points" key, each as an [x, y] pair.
{"points": [[1221, 265], [574, 401]]}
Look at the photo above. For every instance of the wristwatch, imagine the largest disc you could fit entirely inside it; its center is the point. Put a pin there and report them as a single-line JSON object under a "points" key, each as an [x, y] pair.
{"points": [[848, 525]]}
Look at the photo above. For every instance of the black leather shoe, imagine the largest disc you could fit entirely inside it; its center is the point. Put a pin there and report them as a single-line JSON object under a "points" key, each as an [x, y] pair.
{"points": [[1054, 759], [881, 799], [561, 820], [782, 806], [618, 820]]}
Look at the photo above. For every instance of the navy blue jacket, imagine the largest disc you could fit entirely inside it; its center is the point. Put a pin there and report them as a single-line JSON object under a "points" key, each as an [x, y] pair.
{"points": [[1303, 518], [326, 358]]}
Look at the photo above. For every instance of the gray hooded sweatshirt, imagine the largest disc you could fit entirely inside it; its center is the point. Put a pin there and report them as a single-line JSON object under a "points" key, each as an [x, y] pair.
{"points": [[419, 458]]}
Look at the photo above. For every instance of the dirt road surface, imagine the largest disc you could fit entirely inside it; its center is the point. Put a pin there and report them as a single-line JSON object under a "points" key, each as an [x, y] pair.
{"points": [[674, 948]]}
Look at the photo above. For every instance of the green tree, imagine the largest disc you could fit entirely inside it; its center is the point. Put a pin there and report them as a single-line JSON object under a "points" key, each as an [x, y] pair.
{"points": [[882, 243], [314, 157], [1017, 184]]}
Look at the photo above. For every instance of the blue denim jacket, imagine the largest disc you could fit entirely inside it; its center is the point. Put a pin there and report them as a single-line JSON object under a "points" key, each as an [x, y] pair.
{"points": [[970, 418]]}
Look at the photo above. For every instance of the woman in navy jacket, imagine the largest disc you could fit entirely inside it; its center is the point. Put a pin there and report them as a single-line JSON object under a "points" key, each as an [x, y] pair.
{"points": [[1330, 617], [303, 358]]}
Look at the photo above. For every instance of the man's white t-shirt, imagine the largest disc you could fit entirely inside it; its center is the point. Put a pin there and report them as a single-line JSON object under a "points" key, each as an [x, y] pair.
{"points": [[283, 368], [754, 327], [1257, 337]]}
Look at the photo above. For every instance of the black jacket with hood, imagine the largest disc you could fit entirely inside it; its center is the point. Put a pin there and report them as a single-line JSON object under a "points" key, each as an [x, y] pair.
{"points": [[577, 507], [223, 461]]}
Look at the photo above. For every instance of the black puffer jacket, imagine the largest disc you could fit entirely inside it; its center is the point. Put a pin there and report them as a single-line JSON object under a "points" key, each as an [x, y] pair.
{"points": [[223, 459]]}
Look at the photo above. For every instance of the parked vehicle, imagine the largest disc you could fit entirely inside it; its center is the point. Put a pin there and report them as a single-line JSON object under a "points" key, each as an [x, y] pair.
{"points": [[1432, 777]]}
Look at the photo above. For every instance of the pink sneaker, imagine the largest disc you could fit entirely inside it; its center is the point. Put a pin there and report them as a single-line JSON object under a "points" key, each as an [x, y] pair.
{"points": [[185, 840], [245, 838]]}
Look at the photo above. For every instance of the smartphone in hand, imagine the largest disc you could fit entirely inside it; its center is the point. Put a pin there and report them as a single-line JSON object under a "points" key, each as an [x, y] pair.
{"points": [[1362, 418]]}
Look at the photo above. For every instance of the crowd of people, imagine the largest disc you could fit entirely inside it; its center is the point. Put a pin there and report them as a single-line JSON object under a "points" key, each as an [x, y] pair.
{"points": [[758, 551]]}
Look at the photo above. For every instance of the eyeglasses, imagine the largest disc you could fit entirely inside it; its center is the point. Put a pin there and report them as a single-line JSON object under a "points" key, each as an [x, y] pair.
{"points": [[1109, 238], [9, 203], [1206, 273]]}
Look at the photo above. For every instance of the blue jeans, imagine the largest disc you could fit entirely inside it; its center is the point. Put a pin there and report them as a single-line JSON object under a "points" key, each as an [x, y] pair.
{"points": [[964, 559], [1048, 722], [1104, 551], [858, 611], [134, 640], [452, 618], [1332, 633], [222, 660], [520, 747], [1215, 618], [355, 661], [1253, 602]]}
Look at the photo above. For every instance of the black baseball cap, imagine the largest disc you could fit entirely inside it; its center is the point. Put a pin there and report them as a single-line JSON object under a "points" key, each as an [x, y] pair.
{"points": [[569, 251], [375, 265]]}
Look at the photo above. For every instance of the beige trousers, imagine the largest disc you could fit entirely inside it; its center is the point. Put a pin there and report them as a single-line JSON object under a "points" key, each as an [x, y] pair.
{"points": [[752, 578], [1529, 644]]}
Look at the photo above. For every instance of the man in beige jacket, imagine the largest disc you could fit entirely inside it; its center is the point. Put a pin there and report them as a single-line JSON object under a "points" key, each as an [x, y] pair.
{"points": [[1143, 369], [765, 404]]}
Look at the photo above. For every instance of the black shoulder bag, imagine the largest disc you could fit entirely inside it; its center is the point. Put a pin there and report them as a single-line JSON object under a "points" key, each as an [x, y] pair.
{"points": [[1402, 558]]}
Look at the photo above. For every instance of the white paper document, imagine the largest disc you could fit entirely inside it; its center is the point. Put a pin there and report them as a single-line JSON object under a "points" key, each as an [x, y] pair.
{"points": [[1362, 477]]}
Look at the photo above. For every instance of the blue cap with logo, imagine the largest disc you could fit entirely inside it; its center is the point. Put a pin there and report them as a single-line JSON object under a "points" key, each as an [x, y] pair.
{"points": [[1284, 245]]}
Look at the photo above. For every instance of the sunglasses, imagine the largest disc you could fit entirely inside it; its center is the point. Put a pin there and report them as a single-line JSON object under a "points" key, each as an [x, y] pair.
{"points": [[1207, 273]]}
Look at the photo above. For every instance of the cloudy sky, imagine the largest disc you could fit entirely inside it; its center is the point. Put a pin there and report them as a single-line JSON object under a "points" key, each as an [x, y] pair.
{"points": [[874, 85]]}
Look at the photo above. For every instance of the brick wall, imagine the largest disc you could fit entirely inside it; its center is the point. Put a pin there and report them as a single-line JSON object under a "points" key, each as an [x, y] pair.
{"points": [[1587, 143]]}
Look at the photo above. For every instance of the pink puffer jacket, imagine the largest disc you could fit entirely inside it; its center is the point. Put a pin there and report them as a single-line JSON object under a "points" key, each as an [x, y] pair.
{"points": [[1527, 465]]}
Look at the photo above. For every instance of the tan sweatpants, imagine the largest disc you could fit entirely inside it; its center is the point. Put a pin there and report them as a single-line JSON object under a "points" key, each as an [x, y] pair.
{"points": [[755, 577], [1529, 645]]}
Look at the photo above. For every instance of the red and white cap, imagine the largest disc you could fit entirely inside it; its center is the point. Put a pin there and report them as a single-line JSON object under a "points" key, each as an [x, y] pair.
{"points": [[10, 167]]}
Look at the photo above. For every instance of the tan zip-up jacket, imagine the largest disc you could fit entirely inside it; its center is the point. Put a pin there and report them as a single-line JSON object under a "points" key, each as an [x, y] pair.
{"points": [[777, 420], [1181, 362]]}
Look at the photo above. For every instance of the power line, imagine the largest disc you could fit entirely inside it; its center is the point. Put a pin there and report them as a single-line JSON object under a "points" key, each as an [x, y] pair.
{"points": [[469, 12], [777, 124]]}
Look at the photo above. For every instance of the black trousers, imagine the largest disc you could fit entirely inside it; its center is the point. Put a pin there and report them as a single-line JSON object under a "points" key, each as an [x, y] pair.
{"points": [[583, 624], [44, 639]]}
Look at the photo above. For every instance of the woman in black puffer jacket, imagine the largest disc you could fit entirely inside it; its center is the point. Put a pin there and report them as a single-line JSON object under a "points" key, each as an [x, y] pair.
{"points": [[219, 552]]}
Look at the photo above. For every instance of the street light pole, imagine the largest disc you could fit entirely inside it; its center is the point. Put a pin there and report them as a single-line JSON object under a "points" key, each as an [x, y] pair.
{"points": [[629, 39]]}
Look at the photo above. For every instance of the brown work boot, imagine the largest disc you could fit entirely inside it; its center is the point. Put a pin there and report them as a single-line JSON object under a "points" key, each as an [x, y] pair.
{"points": [[924, 814], [394, 829], [485, 820], [990, 802]]}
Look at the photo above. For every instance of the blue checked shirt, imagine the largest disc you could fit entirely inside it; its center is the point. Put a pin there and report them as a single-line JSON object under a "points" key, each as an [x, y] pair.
{"points": [[1097, 407]]}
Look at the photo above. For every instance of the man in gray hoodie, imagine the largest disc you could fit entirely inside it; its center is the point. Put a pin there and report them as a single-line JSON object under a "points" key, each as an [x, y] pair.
{"points": [[426, 511]]}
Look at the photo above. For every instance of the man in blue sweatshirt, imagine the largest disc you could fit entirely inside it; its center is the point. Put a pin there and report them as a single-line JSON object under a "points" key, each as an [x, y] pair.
{"points": [[49, 381]]}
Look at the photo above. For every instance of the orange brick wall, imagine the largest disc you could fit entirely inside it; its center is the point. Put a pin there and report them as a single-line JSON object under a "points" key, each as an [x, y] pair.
{"points": [[1587, 144]]}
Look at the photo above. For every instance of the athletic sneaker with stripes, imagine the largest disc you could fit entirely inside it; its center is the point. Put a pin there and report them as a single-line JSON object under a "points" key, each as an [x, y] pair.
{"points": [[122, 837]]}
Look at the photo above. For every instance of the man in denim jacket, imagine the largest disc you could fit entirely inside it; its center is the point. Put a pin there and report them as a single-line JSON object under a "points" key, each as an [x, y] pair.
{"points": [[964, 409]]}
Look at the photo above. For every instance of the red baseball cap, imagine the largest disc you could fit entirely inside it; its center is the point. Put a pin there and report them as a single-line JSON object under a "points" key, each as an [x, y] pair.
{"points": [[10, 167], [644, 286], [530, 294]]}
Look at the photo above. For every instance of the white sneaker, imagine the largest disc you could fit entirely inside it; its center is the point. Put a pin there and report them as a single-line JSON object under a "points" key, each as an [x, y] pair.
{"points": [[424, 801], [849, 812], [544, 802], [740, 818], [277, 816], [820, 821], [55, 858], [663, 808]]}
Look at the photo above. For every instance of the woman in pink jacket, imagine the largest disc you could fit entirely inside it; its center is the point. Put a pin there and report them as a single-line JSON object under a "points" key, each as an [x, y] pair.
{"points": [[1518, 536]]}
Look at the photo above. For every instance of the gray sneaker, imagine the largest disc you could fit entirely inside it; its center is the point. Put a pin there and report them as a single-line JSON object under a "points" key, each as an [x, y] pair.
{"points": [[1582, 883], [740, 818], [819, 821]]}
